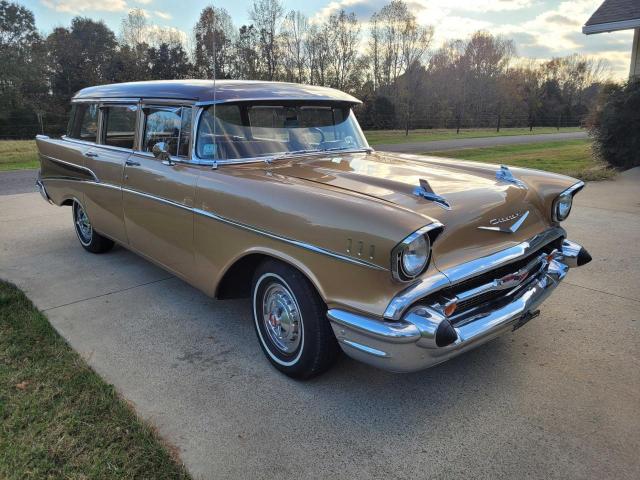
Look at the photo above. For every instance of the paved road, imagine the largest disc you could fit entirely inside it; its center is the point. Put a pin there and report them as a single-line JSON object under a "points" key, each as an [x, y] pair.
{"points": [[438, 145], [17, 181], [558, 399]]}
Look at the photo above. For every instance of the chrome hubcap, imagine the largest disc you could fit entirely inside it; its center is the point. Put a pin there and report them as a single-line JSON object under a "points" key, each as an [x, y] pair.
{"points": [[281, 317], [83, 225]]}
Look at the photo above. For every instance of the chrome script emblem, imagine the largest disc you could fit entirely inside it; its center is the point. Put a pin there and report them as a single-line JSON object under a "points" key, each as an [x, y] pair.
{"points": [[496, 223]]}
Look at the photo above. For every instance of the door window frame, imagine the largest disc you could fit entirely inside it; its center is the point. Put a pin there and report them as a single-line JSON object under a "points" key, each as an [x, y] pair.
{"points": [[141, 123], [102, 124]]}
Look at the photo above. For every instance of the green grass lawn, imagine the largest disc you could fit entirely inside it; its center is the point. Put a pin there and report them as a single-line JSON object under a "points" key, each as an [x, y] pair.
{"points": [[572, 157], [58, 419], [18, 154], [378, 137]]}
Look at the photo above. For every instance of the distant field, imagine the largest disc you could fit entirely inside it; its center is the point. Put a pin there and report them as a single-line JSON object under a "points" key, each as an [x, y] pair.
{"points": [[378, 137], [573, 157], [18, 154]]}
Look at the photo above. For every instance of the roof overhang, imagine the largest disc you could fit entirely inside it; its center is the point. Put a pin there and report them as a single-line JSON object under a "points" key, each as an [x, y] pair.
{"points": [[611, 26]]}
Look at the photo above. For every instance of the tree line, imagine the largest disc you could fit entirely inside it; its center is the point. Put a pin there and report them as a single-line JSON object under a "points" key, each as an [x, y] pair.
{"points": [[392, 64]]}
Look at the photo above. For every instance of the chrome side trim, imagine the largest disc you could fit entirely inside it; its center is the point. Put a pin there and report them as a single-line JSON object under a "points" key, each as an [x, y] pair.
{"points": [[43, 191], [451, 276], [220, 218], [166, 201], [71, 165], [297, 243]]}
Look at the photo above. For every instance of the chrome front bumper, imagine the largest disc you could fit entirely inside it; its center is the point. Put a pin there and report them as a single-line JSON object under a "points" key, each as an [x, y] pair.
{"points": [[424, 336]]}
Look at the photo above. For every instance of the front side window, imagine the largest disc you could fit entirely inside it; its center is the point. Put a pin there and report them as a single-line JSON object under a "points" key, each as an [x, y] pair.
{"points": [[120, 125], [171, 125], [246, 130], [84, 124]]}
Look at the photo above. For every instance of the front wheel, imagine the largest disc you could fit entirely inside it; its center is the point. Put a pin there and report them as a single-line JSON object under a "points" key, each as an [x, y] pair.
{"points": [[290, 321], [90, 240]]}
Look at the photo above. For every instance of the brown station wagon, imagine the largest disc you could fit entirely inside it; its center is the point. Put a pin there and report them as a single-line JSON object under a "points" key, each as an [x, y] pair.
{"points": [[270, 191]]}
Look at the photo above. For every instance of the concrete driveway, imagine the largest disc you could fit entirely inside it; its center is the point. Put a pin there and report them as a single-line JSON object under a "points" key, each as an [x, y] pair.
{"points": [[455, 144], [559, 398]]}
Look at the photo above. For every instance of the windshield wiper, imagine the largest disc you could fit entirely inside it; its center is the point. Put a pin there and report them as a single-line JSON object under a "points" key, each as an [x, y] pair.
{"points": [[292, 153]]}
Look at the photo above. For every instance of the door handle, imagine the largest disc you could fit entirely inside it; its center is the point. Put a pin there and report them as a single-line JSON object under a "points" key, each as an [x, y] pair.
{"points": [[132, 163], [91, 154]]}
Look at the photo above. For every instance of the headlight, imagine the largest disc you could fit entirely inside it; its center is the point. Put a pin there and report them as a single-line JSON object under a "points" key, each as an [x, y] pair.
{"points": [[563, 207], [415, 256], [562, 204], [411, 256]]}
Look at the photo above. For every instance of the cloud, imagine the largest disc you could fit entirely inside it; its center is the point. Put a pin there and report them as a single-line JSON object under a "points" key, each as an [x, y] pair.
{"points": [[144, 2], [163, 15], [77, 6]]}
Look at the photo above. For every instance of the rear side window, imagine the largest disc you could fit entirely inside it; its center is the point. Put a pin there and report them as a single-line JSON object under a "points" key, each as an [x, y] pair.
{"points": [[171, 125], [84, 125], [120, 125]]}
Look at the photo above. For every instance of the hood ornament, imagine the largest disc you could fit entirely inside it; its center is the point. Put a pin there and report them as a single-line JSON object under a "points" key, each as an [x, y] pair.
{"points": [[505, 175], [496, 222], [425, 191]]}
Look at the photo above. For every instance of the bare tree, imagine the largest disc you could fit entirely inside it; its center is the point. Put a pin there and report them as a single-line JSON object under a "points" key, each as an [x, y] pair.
{"points": [[214, 39], [345, 37], [295, 29], [318, 50], [246, 62], [266, 16], [396, 41], [133, 31]]}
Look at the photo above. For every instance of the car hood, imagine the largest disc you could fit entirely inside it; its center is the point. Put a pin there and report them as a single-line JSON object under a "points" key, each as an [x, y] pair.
{"points": [[475, 196]]}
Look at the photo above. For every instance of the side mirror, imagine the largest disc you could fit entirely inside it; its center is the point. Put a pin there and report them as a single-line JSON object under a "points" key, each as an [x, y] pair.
{"points": [[161, 151]]}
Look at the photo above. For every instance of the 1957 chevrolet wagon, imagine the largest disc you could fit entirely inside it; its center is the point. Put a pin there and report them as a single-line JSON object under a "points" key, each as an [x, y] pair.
{"points": [[270, 191]]}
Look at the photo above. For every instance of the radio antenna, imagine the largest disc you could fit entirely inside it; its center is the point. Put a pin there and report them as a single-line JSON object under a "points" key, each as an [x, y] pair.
{"points": [[215, 119]]}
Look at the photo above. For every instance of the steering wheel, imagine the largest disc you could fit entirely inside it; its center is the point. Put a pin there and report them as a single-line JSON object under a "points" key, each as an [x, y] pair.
{"points": [[320, 132]]}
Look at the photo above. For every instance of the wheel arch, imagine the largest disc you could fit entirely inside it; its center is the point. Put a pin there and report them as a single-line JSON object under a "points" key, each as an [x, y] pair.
{"points": [[235, 280]]}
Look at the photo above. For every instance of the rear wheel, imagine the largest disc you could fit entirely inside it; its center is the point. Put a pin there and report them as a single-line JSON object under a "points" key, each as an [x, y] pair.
{"points": [[90, 240], [290, 321]]}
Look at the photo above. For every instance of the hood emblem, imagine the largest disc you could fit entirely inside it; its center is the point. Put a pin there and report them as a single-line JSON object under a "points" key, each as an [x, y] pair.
{"points": [[505, 175], [496, 223], [425, 191]]}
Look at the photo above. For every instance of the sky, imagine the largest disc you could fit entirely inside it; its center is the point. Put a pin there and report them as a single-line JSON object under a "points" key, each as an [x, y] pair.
{"points": [[541, 29]]}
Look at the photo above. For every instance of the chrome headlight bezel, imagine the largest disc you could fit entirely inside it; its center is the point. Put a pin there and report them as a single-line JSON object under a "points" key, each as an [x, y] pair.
{"points": [[418, 241], [563, 203]]}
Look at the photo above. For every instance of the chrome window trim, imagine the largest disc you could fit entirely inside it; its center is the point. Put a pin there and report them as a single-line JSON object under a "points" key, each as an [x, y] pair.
{"points": [[264, 159], [115, 149], [454, 275], [103, 127], [77, 140], [142, 121], [105, 100]]}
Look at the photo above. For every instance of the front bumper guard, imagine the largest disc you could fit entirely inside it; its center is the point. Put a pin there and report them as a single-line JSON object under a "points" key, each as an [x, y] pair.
{"points": [[413, 342]]}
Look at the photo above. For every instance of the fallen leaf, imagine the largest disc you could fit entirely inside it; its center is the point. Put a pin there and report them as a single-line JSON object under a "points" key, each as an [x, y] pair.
{"points": [[22, 385]]}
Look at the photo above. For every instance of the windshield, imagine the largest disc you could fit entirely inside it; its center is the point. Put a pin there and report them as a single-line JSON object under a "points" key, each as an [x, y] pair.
{"points": [[246, 130]]}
